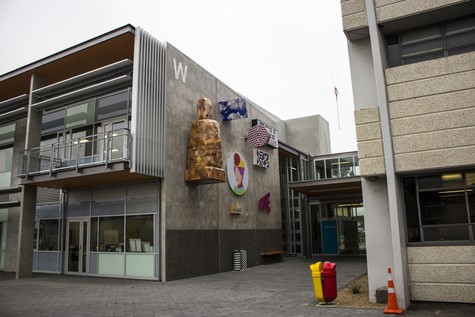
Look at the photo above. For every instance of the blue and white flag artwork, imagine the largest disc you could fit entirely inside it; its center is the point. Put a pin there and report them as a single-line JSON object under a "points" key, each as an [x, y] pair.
{"points": [[233, 109]]}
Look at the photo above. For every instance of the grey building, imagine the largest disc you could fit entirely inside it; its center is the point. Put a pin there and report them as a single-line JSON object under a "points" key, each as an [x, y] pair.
{"points": [[412, 66], [93, 152]]}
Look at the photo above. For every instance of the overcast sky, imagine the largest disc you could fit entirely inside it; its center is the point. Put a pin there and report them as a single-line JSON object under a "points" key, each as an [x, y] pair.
{"points": [[286, 56]]}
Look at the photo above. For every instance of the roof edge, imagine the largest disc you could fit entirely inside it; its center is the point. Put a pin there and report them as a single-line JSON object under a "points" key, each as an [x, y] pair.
{"points": [[128, 28]]}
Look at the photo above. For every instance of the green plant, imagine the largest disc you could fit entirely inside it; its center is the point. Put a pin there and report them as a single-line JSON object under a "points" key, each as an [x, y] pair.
{"points": [[355, 288]]}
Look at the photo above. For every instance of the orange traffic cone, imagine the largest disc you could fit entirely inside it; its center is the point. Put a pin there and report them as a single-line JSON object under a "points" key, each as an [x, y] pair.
{"points": [[392, 307]]}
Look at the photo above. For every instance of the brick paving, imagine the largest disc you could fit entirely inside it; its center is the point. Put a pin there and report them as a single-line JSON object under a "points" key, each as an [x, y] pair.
{"points": [[280, 289]]}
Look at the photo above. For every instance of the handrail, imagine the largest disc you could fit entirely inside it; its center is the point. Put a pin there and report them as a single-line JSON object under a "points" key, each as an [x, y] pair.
{"points": [[98, 149]]}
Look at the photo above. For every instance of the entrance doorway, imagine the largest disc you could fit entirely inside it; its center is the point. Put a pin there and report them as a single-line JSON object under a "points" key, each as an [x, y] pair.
{"points": [[77, 246], [337, 228]]}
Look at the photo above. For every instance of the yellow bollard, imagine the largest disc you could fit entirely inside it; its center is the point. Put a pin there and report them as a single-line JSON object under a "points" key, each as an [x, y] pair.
{"points": [[317, 270]]}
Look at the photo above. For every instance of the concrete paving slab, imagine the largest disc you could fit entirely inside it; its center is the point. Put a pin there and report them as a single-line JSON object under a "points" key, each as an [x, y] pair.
{"points": [[280, 289]]}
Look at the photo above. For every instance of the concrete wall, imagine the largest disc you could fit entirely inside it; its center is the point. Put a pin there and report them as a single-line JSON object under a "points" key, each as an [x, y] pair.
{"points": [[378, 234], [445, 274], [432, 113], [310, 134], [200, 233], [14, 213]]}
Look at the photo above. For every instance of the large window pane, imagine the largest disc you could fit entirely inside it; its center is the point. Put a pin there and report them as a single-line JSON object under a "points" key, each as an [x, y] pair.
{"points": [[111, 234], [458, 40], [112, 106], [412, 212], [143, 204], [425, 48], [446, 233], [420, 35], [333, 168], [94, 230], [80, 115], [471, 205], [448, 180], [48, 235], [5, 166], [443, 207], [140, 233], [346, 166], [320, 169], [53, 121], [47, 211], [107, 207], [7, 134]]}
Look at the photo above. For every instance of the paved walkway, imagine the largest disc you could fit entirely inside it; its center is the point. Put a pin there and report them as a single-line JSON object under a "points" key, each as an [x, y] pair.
{"points": [[281, 289]]}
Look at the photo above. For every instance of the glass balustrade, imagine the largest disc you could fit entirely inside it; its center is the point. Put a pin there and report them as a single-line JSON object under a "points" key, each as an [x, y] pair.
{"points": [[98, 149]]}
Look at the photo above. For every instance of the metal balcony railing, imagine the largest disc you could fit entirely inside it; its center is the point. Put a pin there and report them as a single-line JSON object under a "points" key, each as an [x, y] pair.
{"points": [[98, 149]]}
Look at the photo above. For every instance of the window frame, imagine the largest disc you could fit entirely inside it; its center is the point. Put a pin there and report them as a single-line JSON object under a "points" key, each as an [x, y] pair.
{"points": [[470, 224], [395, 46]]}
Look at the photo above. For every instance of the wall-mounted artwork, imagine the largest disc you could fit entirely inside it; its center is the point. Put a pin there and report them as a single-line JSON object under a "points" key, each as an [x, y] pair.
{"points": [[233, 109], [264, 203], [260, 158], [237, 173], [273, 140], [204, 149], [258, 136]]}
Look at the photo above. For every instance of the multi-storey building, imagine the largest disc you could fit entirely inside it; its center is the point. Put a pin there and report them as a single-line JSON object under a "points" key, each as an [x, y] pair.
{"points": [[413, 73], [93, 155], [94, 148]]}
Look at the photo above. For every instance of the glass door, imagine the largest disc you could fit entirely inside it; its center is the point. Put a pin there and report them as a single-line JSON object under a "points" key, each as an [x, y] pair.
{"points": [[113, 145], [77, 246]]}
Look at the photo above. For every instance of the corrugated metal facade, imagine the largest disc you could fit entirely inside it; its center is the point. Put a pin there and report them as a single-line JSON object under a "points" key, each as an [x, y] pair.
{"points": [[148, 105]]}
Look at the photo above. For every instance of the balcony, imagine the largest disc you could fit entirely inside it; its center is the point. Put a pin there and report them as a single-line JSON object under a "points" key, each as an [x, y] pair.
{"points": [[82, 161]]}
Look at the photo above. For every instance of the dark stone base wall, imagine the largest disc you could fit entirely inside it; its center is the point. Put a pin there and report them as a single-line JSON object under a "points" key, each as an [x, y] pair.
{"points": [[192, 253]]}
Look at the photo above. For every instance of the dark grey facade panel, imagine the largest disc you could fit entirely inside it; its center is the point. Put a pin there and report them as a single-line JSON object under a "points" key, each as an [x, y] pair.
{"points": [[148, 105]]}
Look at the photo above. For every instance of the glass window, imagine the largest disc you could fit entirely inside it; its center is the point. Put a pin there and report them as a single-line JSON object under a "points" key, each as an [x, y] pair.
{"points": [[140, 233], [47, 211], [420, 35], [432, 42], [452, 233], [80, 115], [448, 180], [94, 230], [48, 235], [111, 234], [6, 159], [459, 40], [346, 167], [443, 207], [333, 168], [143, 204], [424, 48], [112, 106], [294, 169], [6, 156], [107, 207], [460, 26], [357, 165], [7, 134], [52, 121], [412, 212], [320, 169]]}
